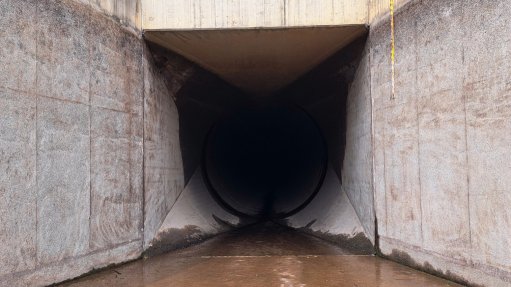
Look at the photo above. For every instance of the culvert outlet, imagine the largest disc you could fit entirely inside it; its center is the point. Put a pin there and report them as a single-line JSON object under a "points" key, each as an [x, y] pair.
{"points": [[265, 161]]}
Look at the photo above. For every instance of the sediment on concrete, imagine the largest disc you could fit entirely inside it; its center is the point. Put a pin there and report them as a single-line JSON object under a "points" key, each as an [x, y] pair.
{"points": [[439, 142], [73, 91], [99, 135]]}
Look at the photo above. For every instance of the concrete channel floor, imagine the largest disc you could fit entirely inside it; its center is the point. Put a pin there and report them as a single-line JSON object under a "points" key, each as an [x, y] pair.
{"points": [[262, 255]]}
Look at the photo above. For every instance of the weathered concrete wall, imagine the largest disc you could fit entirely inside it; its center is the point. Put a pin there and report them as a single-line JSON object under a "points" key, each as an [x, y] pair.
{"points": [[442, 144], [201, 99], [357, 165], [331, 216], [225, 14], [337, 95], [380, 9], [163, 165], [126, 12], [71, 141], [173, 151], [195, 216]]}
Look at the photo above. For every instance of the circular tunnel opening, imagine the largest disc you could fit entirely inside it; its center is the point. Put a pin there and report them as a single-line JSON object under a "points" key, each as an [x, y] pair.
{"points": [[266, 162]]}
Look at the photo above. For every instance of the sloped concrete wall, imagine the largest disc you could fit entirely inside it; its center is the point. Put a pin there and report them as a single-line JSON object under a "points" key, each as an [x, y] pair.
{"points": [[357, 171], [173, 152], [163, 166], [442, 144], [72, 141], [195, 217], [331, 216], [337, 95]]}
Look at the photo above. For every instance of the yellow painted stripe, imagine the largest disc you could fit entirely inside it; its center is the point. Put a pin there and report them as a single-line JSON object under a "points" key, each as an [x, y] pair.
{"points": [[393, 49]]}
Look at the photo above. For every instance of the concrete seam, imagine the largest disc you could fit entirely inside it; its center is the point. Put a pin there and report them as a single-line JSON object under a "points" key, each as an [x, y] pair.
{"points": [[368, 12], [418, 132], [194, 13], [281, 256], [369, 55], [216, 17], [141, 7], [90, 131], [143, 63], [385, 175], [63, 100], [36, 140], [464, 30], [158, 71], [130, 104], [284, 12]]}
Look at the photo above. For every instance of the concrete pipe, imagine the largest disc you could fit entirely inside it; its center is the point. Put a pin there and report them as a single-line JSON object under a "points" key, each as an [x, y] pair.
{"points": [[265, 161]]}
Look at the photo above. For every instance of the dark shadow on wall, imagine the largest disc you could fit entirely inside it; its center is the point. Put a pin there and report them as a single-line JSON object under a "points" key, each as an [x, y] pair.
{"points": [[201, 98], [323, 92]]}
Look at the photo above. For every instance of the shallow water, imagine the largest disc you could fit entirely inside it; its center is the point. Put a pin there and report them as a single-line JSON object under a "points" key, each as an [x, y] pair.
{"points": [[264, 255]]}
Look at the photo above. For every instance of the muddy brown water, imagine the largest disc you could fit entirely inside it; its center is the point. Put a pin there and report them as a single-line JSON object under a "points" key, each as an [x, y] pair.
{"points": [[264, 255]]}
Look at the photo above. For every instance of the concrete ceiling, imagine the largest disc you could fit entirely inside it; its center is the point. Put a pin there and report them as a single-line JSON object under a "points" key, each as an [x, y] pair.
{"points": [[259, 61]]}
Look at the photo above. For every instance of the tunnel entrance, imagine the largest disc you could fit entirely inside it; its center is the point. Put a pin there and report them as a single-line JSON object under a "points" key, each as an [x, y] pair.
{"points": [[290, 157], [265, 161]]}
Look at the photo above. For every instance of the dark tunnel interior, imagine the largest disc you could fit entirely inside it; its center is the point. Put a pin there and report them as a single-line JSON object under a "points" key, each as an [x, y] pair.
{"points": [[265, 161]]}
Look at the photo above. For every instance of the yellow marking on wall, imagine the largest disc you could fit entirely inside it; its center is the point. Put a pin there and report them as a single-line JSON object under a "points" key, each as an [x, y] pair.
{"points": [[393, 50]]}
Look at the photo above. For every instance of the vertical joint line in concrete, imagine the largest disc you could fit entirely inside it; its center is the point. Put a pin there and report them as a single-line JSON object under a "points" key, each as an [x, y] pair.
{"points": [[143, 140], [385, 180], [464, 30], [385, 173], [36, 137], [89, 39], [284, 12], [418, 133], [373, 144]]}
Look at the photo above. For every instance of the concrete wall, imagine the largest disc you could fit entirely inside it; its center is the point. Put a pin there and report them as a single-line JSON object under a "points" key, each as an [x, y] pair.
{"points": [[442, 151], [224, 14], [72, 141], [163, 165], [331, 216], [201, 98], [336, 94], [126, 12], [380, 9], [195, 217], [356, 175]]}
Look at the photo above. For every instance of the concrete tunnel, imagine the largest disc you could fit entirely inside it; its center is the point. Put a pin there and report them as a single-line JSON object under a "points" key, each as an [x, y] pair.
{"points": [[263, 139], [214, 142]]}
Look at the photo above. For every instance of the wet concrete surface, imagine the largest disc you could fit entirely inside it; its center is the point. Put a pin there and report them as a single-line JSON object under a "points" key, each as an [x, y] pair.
{"points": [[263, 255]]}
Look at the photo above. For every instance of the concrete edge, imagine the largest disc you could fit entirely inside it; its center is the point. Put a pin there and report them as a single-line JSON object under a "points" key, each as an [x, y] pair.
{"points": [[465, 273], [72, 268]]}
